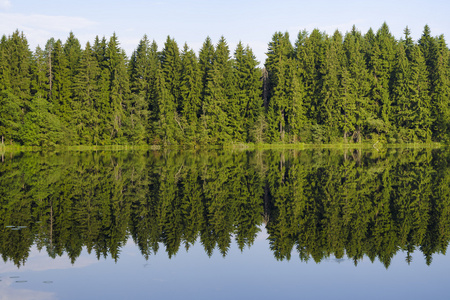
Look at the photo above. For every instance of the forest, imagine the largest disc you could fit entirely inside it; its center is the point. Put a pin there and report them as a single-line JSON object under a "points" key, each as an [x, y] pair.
{"points": [[314, 204], [340, 88]]}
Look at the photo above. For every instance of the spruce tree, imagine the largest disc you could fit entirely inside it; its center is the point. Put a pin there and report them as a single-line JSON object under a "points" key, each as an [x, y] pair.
{"points": [[219, 95], [206, 58], [310, 53], [18, 58], [171, 67], [4, 66], [277, 65], [248, 88], [142, 71], [357, 83], [104, 108], [420, 95], [190, 92], [381, 55], [332, 110], [440, 90], [86, 97], [165, 124], [119, 90], [61, 88], [401, 96]]}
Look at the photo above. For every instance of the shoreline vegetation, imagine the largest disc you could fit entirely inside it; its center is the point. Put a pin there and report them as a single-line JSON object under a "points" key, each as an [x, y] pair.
{"points": [[339, 90], [240, 146]]}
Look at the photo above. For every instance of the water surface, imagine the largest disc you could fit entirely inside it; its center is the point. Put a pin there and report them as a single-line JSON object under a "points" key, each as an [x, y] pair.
{"points": [[288, 224]]}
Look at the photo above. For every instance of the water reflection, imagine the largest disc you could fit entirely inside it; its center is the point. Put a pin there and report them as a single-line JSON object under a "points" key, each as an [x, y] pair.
{"points": [[315, 204]]}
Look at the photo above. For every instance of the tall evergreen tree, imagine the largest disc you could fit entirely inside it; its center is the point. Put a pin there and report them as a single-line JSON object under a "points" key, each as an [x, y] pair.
{"points": [[357, 83], [119, 90], [206, 58], [440, 90], [190, 92], [142, 69], [86, 97], [219, 94], [165, 124], [248, 88], [171, 67], [333, 106], [277, 66], [61, 95], [381, 57], [310, 53]]}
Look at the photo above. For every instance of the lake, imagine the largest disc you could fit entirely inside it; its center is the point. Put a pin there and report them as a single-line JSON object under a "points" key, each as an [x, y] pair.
{"points": [[285, 224]]}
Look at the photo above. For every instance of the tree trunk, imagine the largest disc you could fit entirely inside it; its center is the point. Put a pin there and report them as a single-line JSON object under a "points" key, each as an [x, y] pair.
{"points": [[265, 79], [50, 75], [266, 204]]}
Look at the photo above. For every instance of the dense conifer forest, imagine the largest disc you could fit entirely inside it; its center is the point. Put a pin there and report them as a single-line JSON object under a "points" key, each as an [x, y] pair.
{"points": [[349, 88]]}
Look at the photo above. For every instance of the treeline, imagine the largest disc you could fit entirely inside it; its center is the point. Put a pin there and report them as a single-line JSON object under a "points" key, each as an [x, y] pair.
{"points": [[321, 89], [314, 204]]}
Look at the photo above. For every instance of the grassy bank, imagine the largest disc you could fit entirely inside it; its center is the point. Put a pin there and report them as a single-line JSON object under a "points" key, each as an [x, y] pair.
{"points": [[238, 146]]}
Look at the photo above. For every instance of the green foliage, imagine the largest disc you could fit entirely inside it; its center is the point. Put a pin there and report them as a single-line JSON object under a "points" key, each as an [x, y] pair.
{"points": [[321, 89], [313, 204]]}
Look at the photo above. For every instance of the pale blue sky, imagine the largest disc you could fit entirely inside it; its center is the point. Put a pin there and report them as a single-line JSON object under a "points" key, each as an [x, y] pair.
{"points": [[253, 22]]}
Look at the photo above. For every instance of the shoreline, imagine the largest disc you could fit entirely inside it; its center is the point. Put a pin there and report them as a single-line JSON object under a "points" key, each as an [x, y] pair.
{"points": [[238, 146]]}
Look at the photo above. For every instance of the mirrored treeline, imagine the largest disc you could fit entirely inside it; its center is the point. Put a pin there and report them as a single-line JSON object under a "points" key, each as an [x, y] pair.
{"points": [[313, 203]]}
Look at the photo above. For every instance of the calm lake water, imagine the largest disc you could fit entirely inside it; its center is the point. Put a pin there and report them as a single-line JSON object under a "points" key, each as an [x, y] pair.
{"points": [[284, 224]]}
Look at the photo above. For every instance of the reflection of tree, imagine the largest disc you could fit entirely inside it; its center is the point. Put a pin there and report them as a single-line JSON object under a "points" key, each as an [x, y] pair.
{"points": [[320, 203]]}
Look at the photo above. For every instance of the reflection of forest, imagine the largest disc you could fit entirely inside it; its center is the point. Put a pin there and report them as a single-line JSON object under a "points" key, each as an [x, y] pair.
{"points": [[317, 203]]}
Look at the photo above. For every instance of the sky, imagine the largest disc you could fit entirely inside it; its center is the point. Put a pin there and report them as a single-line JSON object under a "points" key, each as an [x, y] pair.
{"points": [[250, 21]]}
